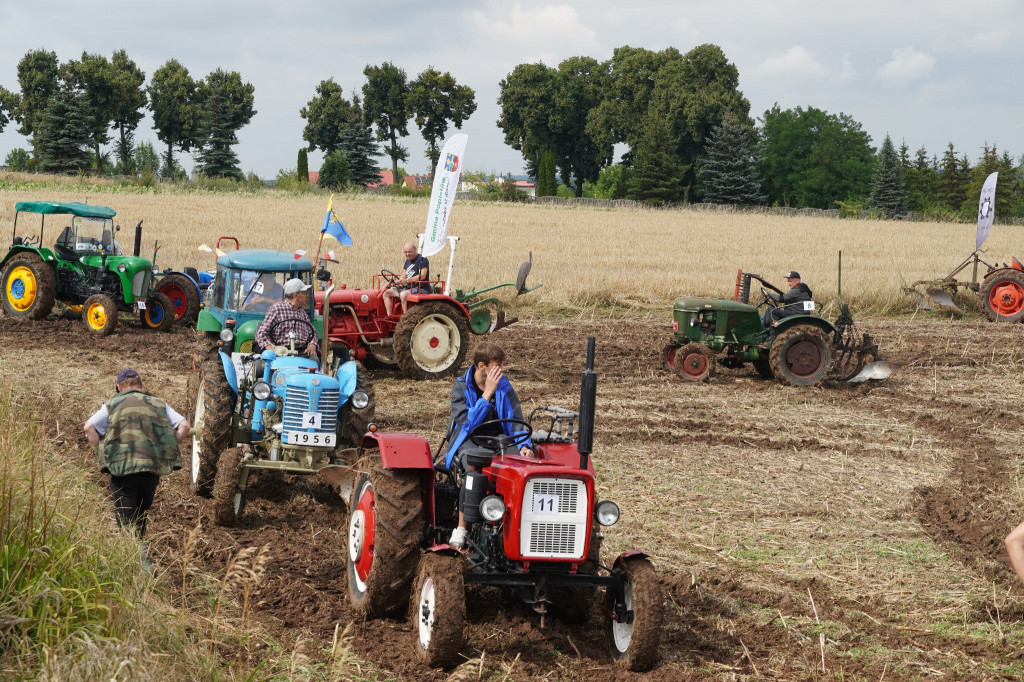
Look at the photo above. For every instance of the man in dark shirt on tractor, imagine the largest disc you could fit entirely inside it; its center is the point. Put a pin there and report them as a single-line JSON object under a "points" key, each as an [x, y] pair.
{"points": [[791, 302], [483, 394], [289, 316], [416, 271]]}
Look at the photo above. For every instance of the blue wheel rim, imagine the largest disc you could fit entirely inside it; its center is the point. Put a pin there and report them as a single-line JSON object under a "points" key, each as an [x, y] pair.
{"points": [[17, 289]]}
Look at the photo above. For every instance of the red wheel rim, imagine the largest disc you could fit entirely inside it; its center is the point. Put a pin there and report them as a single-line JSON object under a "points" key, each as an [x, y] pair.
{"points": [[804, 358], [365, 560], [179, 299], [670, 358], [694, 365], [1006, 298]]}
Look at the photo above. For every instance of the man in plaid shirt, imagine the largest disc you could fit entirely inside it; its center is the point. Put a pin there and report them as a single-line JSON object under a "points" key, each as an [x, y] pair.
{"points": [[287, 316]]}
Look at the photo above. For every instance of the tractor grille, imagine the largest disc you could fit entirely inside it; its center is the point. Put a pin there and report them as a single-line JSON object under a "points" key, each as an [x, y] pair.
{"points": [[554, 518], [297, 401], [140, 283]]}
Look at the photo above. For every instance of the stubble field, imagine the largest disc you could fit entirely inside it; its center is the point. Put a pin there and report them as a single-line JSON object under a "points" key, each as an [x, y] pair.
{"points": [[839, 532]]}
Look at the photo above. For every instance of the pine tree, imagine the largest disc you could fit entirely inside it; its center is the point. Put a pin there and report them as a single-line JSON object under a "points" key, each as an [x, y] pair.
{"points": [[65, 132], [730, 170], [888, 192], [359, 149], [950, 182], [657, 174], [335, 174], [303, 166], [216, 158]]}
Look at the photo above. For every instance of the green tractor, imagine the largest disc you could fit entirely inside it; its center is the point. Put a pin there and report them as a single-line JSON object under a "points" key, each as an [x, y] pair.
{"points": [[801, 350], [85, 271]]}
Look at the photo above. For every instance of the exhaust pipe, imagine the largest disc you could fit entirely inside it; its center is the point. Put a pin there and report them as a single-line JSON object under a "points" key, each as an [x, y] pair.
{"points": [[588, 400], [138, 239]]}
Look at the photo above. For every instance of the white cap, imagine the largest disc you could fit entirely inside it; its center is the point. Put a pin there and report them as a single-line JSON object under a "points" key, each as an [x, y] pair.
{"points": [[294, 286]]}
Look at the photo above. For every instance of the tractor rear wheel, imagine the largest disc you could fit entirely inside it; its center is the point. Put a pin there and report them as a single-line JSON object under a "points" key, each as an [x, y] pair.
{"points": [[635, 644], [228, 500], [439, 609], [385, 526], [694, 362], [100, 314], [801, 355], [357, 421], [1002, 296], [214, 405], [158, 313], [431, 340], [183, 295], [29, 287]]}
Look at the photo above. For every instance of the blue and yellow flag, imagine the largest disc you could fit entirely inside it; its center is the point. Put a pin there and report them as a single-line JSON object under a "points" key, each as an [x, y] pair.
{"points": [[333, 227]]}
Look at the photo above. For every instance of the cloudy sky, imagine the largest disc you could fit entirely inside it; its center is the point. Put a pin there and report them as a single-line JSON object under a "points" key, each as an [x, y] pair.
{"points": [[927, 72]]}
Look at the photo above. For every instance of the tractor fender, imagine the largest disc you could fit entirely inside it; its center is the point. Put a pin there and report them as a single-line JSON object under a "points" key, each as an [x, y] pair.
{"points": [[999, 272], [400, 450], [424, 298], [229, 371], [186, 275], [42, 252], [444, 549], [820, 322], [629, 554]]}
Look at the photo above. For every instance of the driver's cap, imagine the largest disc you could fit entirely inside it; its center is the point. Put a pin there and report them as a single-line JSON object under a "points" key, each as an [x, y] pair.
{"points": [[792, 274], [126, 374], [294, 286]]}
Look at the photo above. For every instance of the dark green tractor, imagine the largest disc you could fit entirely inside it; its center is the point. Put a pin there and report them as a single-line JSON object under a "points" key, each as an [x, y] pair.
{"points": [[85, 270], [801, 350]]}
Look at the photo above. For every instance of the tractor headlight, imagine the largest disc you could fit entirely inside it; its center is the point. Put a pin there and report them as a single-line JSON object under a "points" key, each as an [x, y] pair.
{"points": [[261, 390], [606, 513], [226, 335], [155, 270], [492, 508], [360, 399], [121, 267]]}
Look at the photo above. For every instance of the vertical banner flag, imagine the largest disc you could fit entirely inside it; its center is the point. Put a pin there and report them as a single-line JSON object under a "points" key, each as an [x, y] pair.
{"points": [[986, 209], [446, 183], [333, 228]]}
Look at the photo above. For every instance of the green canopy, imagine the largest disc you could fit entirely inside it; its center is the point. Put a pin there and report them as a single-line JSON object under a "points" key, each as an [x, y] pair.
{"points": [[72, 208]]}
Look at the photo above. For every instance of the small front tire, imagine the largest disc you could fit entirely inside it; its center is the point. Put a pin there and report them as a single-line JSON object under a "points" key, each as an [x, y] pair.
{"points": [[635, 644], [439, 609], [100, 314]]}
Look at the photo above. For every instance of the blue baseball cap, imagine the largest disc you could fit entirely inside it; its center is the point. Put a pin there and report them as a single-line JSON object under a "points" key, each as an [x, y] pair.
{"points": [[126, 374]]}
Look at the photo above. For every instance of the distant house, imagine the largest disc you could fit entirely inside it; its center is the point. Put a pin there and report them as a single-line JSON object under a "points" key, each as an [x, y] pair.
{"points": [[314, 177], [527, 187], [387, 178]]}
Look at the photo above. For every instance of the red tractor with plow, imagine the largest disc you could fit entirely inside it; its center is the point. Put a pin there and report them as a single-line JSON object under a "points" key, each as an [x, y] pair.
{"points": [[534, 533]]}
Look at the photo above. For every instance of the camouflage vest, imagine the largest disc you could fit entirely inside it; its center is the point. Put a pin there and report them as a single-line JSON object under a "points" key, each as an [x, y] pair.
{"points": [[139, 436]]}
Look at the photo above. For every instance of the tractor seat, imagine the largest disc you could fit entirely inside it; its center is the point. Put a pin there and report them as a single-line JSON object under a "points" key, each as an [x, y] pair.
{"points": [[63, 248]]}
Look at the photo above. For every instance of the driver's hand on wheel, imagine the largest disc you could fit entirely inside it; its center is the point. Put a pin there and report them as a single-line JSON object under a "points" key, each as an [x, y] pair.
{"points": [[525, 451], [310, 349]]}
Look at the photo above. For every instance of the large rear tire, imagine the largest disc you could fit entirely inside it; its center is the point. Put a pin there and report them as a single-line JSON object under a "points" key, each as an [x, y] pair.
{"points": [[29, 287], [1002, 296], [184, 297], [100, 314], [357, 421], [385, 530], [439, 609], [228, 499], [635, 644], [214, 405], [431, 340], [801, 355]]}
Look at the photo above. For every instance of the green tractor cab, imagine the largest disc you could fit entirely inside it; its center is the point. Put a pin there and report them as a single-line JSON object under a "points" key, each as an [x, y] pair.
{"points": [[86, 270]]}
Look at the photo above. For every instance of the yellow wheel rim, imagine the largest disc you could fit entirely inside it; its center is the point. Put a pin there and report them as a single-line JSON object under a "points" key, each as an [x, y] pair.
{"points": [[96, 317], [21, 288]]}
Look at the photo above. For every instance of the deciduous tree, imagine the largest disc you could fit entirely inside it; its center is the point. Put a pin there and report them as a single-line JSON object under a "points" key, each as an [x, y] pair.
{"points": [[527, 98], [93, 75], [334, 173], [327, 116], [172, 99], [128, 83], [435, 99], [657, 174], [37, 76], [8, 107], [385, 104]]}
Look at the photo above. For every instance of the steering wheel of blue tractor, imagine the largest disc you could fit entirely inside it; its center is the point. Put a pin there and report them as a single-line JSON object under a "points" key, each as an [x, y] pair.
{"points": [[300, 343], [390, 277], [496, 442]]}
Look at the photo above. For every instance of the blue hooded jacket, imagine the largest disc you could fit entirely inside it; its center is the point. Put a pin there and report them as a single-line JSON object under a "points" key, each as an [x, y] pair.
{"points": [[466, 399]]}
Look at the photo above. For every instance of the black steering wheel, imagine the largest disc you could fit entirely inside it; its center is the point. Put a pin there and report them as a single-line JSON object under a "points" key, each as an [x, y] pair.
{"points": [[390, 277], [766, 299], [299, 345], [495, 442]]}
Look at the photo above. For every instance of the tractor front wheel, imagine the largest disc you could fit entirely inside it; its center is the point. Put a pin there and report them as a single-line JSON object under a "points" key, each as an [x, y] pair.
{"points": [[214, 404], [158, 313], [439, 609], [183, 295], [29, 287], [634, 626], [228, 496], [801, 355], [1002, 296], [100, 314], [385, 525], [694, 362], [669, 357], [431, 340]]}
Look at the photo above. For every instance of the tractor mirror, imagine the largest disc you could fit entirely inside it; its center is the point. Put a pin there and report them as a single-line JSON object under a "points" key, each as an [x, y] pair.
{"points": [[117, 228]]}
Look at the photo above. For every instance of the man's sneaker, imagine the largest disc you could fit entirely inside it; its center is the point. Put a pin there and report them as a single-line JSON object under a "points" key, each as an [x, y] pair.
{"points": [[458, 538]]}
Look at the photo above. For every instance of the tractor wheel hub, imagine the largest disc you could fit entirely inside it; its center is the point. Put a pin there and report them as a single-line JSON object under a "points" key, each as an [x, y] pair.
{"points": [[356, 535]]}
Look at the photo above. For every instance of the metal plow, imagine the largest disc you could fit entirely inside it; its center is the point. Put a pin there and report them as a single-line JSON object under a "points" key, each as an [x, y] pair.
{"points": [[875, 371], [854, 352], [934, 296]]}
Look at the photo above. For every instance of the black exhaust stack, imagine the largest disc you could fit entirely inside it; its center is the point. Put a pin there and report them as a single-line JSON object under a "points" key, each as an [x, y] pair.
{"points": [[588, 399], [138, 239]]}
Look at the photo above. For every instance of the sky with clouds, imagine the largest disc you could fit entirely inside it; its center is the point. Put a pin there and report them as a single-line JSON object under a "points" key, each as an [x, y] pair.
{"points": [[927, 72]]}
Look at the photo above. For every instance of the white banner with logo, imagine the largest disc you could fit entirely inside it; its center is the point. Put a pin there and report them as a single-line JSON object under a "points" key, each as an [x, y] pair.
{"points": [[446, 183], [986, 209]]}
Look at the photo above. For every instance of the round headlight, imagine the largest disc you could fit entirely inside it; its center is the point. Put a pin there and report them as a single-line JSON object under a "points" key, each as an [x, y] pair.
{"points": [[227, 336], [606, 513], [121, 267], [360, 399], [155, 270], [492, 508], [262, 390]]}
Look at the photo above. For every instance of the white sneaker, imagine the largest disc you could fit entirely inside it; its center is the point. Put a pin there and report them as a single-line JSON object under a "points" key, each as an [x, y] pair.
{"points": [[458, 538]]}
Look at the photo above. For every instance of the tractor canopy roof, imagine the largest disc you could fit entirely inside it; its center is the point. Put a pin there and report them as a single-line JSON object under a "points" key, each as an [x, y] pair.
{"points": [[693, 304], [58, 208], [265, 259]]}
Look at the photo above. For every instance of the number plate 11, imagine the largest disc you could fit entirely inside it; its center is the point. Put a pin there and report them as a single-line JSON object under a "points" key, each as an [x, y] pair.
{"points": [[545, 504]]}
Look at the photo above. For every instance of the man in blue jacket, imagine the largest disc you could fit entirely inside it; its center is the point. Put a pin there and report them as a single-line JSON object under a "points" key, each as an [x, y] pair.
{"points": [[483, 394]]}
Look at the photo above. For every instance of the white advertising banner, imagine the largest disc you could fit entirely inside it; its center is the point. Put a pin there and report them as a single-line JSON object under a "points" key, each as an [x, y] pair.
{"points": [[446, 183], [986, 209]]}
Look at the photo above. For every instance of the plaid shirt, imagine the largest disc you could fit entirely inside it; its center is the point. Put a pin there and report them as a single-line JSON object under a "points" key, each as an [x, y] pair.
{"points": [[294, 320]]}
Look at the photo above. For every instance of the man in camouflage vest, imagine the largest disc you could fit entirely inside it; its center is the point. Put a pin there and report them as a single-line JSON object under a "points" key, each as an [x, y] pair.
{"points": [[137, 436]]}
